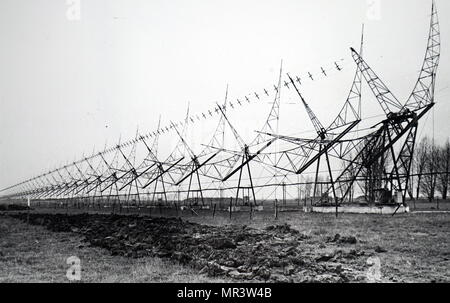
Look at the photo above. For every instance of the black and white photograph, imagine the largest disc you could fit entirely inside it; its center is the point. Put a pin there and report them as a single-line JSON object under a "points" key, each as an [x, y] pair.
{"points": [[241, 144]]}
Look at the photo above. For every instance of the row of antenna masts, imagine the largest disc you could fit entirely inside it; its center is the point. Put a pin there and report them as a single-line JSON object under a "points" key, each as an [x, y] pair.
{"points": [[362, 158]]}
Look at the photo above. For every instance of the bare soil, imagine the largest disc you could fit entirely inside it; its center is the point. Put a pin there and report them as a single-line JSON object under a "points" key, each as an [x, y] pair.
{"points": [[31, 253], [305, 248]]}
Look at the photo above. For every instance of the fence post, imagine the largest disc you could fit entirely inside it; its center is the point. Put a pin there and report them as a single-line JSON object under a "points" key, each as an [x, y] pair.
{"points": [[276, 208]]}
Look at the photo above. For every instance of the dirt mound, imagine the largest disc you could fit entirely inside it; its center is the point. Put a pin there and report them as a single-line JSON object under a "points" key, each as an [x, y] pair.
{"points": [[342, 239], [277, 254]]}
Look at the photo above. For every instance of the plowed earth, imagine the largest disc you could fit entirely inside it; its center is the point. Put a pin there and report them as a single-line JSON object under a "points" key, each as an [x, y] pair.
{"points": [[274, 254]]}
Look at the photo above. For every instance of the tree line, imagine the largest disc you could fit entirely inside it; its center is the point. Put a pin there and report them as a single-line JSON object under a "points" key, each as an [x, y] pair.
{"points": [[431, 170]]}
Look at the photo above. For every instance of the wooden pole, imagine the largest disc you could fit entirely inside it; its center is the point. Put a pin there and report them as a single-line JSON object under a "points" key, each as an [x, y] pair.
{"points": [[276, 208]]}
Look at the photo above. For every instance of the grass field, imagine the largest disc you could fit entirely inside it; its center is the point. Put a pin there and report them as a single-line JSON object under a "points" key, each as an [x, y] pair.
{"points": [[417, 245], [34, 254], [411, 248]]}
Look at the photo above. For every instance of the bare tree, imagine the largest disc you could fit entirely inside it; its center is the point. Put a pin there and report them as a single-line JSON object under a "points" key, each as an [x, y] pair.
{"points": [[429, 177], [443, 164], [308, 187], [420, 160]]}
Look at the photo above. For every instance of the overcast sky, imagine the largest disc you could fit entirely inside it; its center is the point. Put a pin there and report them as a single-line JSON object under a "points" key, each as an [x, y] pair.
{"points": [[70, 82]]}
